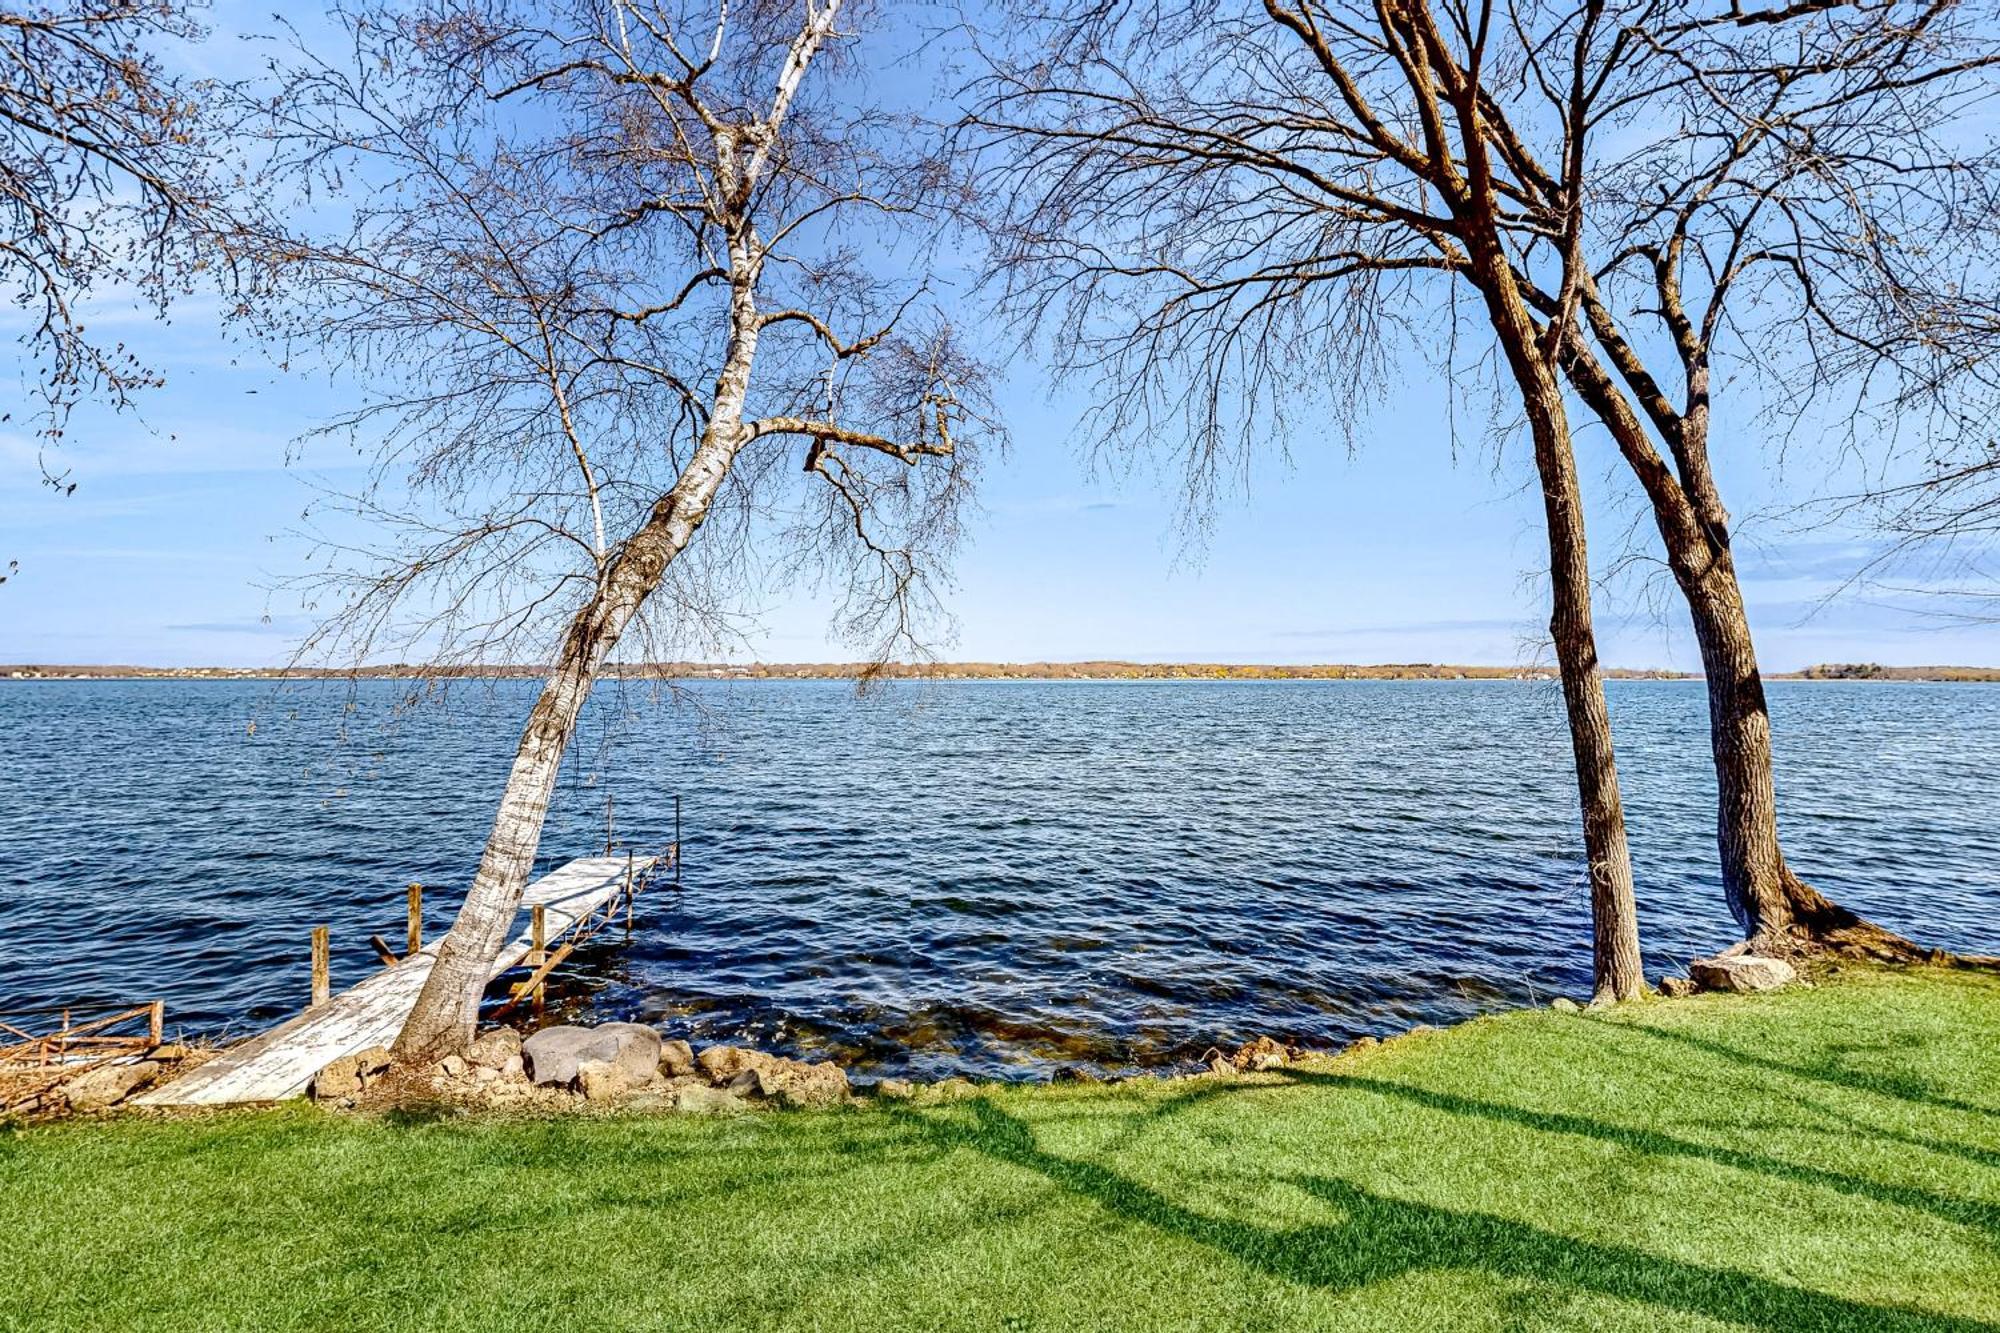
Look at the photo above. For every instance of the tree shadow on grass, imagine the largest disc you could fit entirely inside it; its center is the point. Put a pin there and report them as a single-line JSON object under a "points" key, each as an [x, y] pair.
{"points": [[1965, 1212], [1382, 1238], [1829, 1071], [1970, 1152]]}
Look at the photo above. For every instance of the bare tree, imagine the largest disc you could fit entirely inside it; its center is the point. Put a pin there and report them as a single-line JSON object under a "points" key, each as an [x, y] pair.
{"points": [[1928, 344], [112, 180], [621, 269], [1765, 184], [1221, 212], [1668, 181]]}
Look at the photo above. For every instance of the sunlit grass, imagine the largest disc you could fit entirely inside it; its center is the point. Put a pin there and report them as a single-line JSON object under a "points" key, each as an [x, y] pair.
{"points": [[1825, 1158]]}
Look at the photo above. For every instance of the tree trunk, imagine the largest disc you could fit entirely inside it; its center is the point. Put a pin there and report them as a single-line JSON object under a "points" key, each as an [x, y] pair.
{"points": [[1776, 910], [1616, 967], [1616, 972], [447, 1010]]}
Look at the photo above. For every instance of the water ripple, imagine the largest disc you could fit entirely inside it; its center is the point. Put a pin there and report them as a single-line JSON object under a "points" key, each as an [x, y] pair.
{"points": [[994, 877]]}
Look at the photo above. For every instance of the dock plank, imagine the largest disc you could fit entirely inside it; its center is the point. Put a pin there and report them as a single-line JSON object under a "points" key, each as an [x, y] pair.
{"points": [[280, 1063]]}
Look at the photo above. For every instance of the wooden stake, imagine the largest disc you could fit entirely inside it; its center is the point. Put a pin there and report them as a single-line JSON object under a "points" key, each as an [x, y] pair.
{"points": [[628, 892], [416, 937], [538, 938], [383, 951], [322, 984], [156, 1021]]}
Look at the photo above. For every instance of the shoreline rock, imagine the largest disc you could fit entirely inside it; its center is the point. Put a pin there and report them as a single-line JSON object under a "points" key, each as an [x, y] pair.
{"points": [[1742, 974]]}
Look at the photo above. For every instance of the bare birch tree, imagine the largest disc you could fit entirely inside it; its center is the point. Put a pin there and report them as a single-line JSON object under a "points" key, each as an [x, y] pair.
{"points": [[621, 268], [112, 180], [1670, 182]]}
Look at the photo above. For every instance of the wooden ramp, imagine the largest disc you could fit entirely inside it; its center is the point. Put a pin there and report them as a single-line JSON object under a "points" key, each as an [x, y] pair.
{"points": [[281, 1062]]}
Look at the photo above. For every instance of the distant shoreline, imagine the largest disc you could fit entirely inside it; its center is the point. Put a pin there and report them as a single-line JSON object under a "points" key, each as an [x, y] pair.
{"points": [[1031, 671]]}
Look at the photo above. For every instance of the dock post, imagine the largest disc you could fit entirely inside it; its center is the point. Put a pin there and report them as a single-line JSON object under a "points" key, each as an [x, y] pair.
{"points": [[677, 838], [416, 937], [322, 985], [629, 894], [156, 1022], [538, 938]]}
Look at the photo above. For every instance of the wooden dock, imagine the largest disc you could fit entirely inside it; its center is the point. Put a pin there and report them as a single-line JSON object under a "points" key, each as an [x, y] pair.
{"points": [[280, 1063]]}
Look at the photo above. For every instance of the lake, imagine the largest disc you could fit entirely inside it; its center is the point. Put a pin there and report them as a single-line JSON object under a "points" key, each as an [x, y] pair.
{"points": [[987, 877]]}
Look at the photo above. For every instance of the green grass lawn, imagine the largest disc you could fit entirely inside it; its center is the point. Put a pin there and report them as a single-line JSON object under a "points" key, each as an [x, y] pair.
{"points": [[1825, 1158]]}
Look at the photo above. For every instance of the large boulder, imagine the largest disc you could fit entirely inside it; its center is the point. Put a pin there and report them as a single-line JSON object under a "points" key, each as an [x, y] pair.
{"points": [[348, 1075], [555, 1054], [638, 1049], [1742, 974], [107, 1085]]}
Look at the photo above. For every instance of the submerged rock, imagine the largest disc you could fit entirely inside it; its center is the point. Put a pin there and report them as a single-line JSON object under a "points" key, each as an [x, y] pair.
{"points": [[1742, 974]]}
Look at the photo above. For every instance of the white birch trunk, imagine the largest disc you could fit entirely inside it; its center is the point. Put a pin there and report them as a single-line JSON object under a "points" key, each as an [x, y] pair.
{"points": [[447, 1010]]}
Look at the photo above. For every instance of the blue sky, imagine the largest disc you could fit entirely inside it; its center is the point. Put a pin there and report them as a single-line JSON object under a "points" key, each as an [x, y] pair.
{"points": [[183, 521], [1407, 550]]}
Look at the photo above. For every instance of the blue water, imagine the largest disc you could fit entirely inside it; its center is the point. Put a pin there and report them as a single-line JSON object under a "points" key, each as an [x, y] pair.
{"points": [[988, 877]]}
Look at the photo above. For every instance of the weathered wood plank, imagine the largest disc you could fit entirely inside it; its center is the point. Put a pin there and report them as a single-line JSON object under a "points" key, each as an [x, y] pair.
{"points": [[280, 1063]]}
